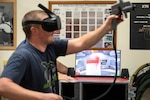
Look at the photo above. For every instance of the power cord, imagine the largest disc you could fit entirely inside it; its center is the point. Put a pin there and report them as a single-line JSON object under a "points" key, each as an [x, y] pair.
{"points": [[115, 76], [68, 98]]}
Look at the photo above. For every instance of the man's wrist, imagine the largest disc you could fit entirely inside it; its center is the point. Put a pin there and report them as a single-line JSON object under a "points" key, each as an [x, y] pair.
{"points": [[71, 72]]}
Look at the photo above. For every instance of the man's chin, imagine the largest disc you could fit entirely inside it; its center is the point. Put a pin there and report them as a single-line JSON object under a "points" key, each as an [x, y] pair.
{"points": [[51, 41]]}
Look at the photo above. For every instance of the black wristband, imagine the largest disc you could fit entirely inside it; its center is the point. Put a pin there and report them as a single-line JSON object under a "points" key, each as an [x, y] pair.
{"points": [[71, 72]]}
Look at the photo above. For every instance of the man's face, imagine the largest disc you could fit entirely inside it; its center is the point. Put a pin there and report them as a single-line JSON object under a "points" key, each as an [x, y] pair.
{"points": [[48, 37]]}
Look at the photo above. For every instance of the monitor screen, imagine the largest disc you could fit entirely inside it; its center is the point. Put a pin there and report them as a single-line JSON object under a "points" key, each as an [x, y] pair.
{"points": [[97, 63]]}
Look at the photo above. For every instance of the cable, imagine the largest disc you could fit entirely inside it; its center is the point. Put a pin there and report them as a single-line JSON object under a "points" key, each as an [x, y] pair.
{"points": [[68, 98], [115, 76]]}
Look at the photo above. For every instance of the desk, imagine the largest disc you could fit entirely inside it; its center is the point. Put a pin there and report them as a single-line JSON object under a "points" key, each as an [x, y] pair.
{"points": [[87, 88]]}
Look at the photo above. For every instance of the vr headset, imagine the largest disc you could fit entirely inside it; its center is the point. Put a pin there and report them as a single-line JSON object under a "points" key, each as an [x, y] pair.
{"points": [[49, 24]]}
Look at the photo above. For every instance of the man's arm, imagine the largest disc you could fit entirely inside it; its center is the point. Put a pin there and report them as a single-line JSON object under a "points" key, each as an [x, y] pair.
{"points": [[88, 40], [61, 67], [6, 27], [13, 91], [62, 72]]}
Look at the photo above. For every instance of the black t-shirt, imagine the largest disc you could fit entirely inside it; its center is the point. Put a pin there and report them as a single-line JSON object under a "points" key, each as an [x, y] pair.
{"points": [[33, 69]]}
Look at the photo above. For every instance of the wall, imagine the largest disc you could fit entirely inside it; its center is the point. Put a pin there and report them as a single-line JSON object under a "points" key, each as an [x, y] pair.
{"points": [[131, 59]]}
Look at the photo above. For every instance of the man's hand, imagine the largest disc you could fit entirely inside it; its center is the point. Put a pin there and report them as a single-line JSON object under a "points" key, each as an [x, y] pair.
{"points": [[65, 77], [51, 96], [108, 23]]}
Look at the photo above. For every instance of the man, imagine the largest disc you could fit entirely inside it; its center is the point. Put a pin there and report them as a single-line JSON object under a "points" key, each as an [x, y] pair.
{"points": [[63, 71], [6, 30], [31, 72], [1, 14]]}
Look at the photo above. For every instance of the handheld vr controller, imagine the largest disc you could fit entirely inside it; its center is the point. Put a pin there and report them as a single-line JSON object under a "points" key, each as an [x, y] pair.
{"points": [[119, 8]]}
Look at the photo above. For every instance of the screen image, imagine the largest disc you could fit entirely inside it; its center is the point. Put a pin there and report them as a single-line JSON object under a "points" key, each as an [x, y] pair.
{"points": [[97, 63]]}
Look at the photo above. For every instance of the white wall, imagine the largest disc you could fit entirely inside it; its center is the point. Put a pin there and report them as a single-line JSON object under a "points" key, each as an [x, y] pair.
{"points": [[131, 59]]}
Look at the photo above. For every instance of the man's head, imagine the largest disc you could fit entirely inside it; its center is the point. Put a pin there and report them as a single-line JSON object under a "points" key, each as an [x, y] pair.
{"points": [[49, 24], [34, 29], [35, 15], [41, 24], [5, 18]]}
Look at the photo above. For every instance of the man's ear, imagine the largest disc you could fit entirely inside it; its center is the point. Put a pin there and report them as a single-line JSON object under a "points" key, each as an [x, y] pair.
{"points": [[34, 30]]}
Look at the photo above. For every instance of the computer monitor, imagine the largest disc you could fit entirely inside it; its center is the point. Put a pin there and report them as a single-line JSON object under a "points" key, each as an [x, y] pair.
{"points": [[97, 63]]}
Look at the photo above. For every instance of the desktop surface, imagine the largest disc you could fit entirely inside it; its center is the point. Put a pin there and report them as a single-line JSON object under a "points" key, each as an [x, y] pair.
{"points": [[101, 79]]}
